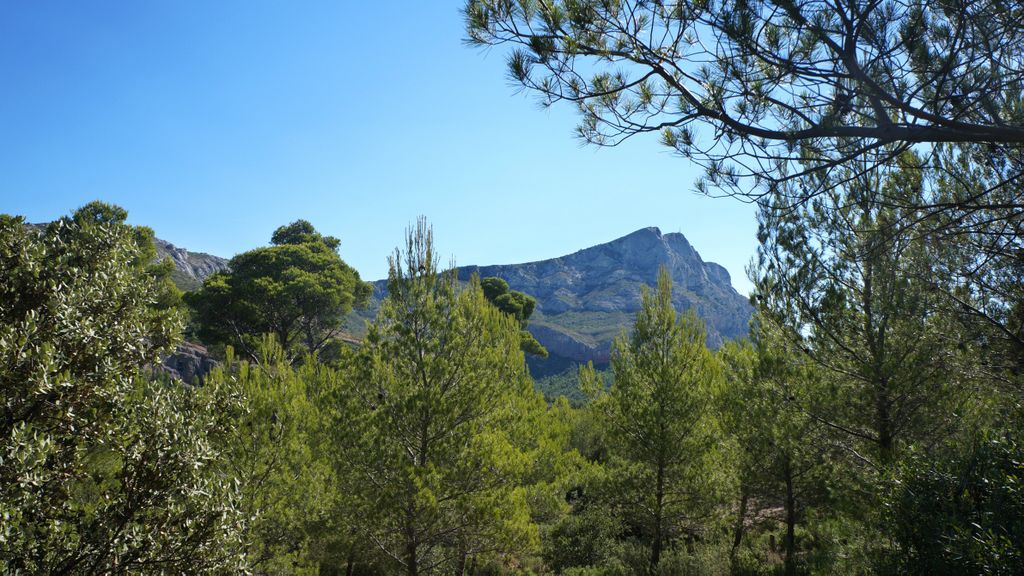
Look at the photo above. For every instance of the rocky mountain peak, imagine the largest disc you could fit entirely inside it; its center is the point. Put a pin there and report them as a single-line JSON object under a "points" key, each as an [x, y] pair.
{"points": [[586, 298]]}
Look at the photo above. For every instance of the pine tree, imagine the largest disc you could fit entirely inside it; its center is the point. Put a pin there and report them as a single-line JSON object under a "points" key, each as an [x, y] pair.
{"points": [[298, 289], [783, 453], [854, 286], [666, 448], [428, 438]]}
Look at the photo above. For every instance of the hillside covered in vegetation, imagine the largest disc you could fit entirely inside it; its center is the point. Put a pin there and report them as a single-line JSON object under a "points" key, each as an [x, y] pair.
{"points": [[424, 447], [617, 411]]}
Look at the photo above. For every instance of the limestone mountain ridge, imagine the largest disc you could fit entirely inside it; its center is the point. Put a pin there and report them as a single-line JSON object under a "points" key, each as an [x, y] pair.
{"points": [[190, 268], [586, 298]]}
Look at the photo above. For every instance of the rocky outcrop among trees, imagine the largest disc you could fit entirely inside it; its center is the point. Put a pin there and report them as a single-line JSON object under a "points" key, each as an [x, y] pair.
{"points": [[189, 363]]}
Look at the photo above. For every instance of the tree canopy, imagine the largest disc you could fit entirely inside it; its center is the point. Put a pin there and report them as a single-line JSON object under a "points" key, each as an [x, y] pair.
{"points": [[102, 469], [664, 438], [769, 90], [298, 289], [871, 425], [860, 295], [516, 304], [430, 427]]}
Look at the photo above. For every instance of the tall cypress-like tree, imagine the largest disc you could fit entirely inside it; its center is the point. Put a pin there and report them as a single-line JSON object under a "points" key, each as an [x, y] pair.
{"points": [[666, 446], [429, 435]]}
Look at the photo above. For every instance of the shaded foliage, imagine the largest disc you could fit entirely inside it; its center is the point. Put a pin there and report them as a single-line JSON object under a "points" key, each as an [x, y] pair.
{"points": [[516, 304], [961, 511]]}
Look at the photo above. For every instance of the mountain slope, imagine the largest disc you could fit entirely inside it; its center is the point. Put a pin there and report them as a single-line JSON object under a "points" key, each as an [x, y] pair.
{"points": [[586, 298], [190, 268]]}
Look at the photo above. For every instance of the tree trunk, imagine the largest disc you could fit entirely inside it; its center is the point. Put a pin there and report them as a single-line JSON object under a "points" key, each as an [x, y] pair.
{"points": [[411, 560], [737, 534], [350, 565], [282, 338], [884, 424], [659, 498], [412, 568], [790, 543], [877, 375], [460, 566]]}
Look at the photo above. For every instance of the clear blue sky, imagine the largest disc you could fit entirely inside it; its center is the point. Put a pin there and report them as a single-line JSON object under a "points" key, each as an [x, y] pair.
{"points": [[215, 122]]}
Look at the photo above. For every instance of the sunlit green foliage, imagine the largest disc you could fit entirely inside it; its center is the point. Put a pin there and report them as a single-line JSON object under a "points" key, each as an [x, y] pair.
{"points": [[864, 428], [298, 289], [101, 469], [433, 432], [669, 468], [566, 384]]}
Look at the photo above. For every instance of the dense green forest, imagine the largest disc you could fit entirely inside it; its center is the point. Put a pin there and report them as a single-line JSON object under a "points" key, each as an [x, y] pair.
{"points": [[879, 436], [871, 423]]}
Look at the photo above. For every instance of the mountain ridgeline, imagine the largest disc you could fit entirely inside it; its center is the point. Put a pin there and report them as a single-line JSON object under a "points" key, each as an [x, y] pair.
{"points": [[586, 299], [190, 268]]}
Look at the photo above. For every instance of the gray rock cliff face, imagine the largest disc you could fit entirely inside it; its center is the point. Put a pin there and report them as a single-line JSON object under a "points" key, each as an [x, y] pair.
{"points": [[586, 298], [190, 267], [189, 363]]}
